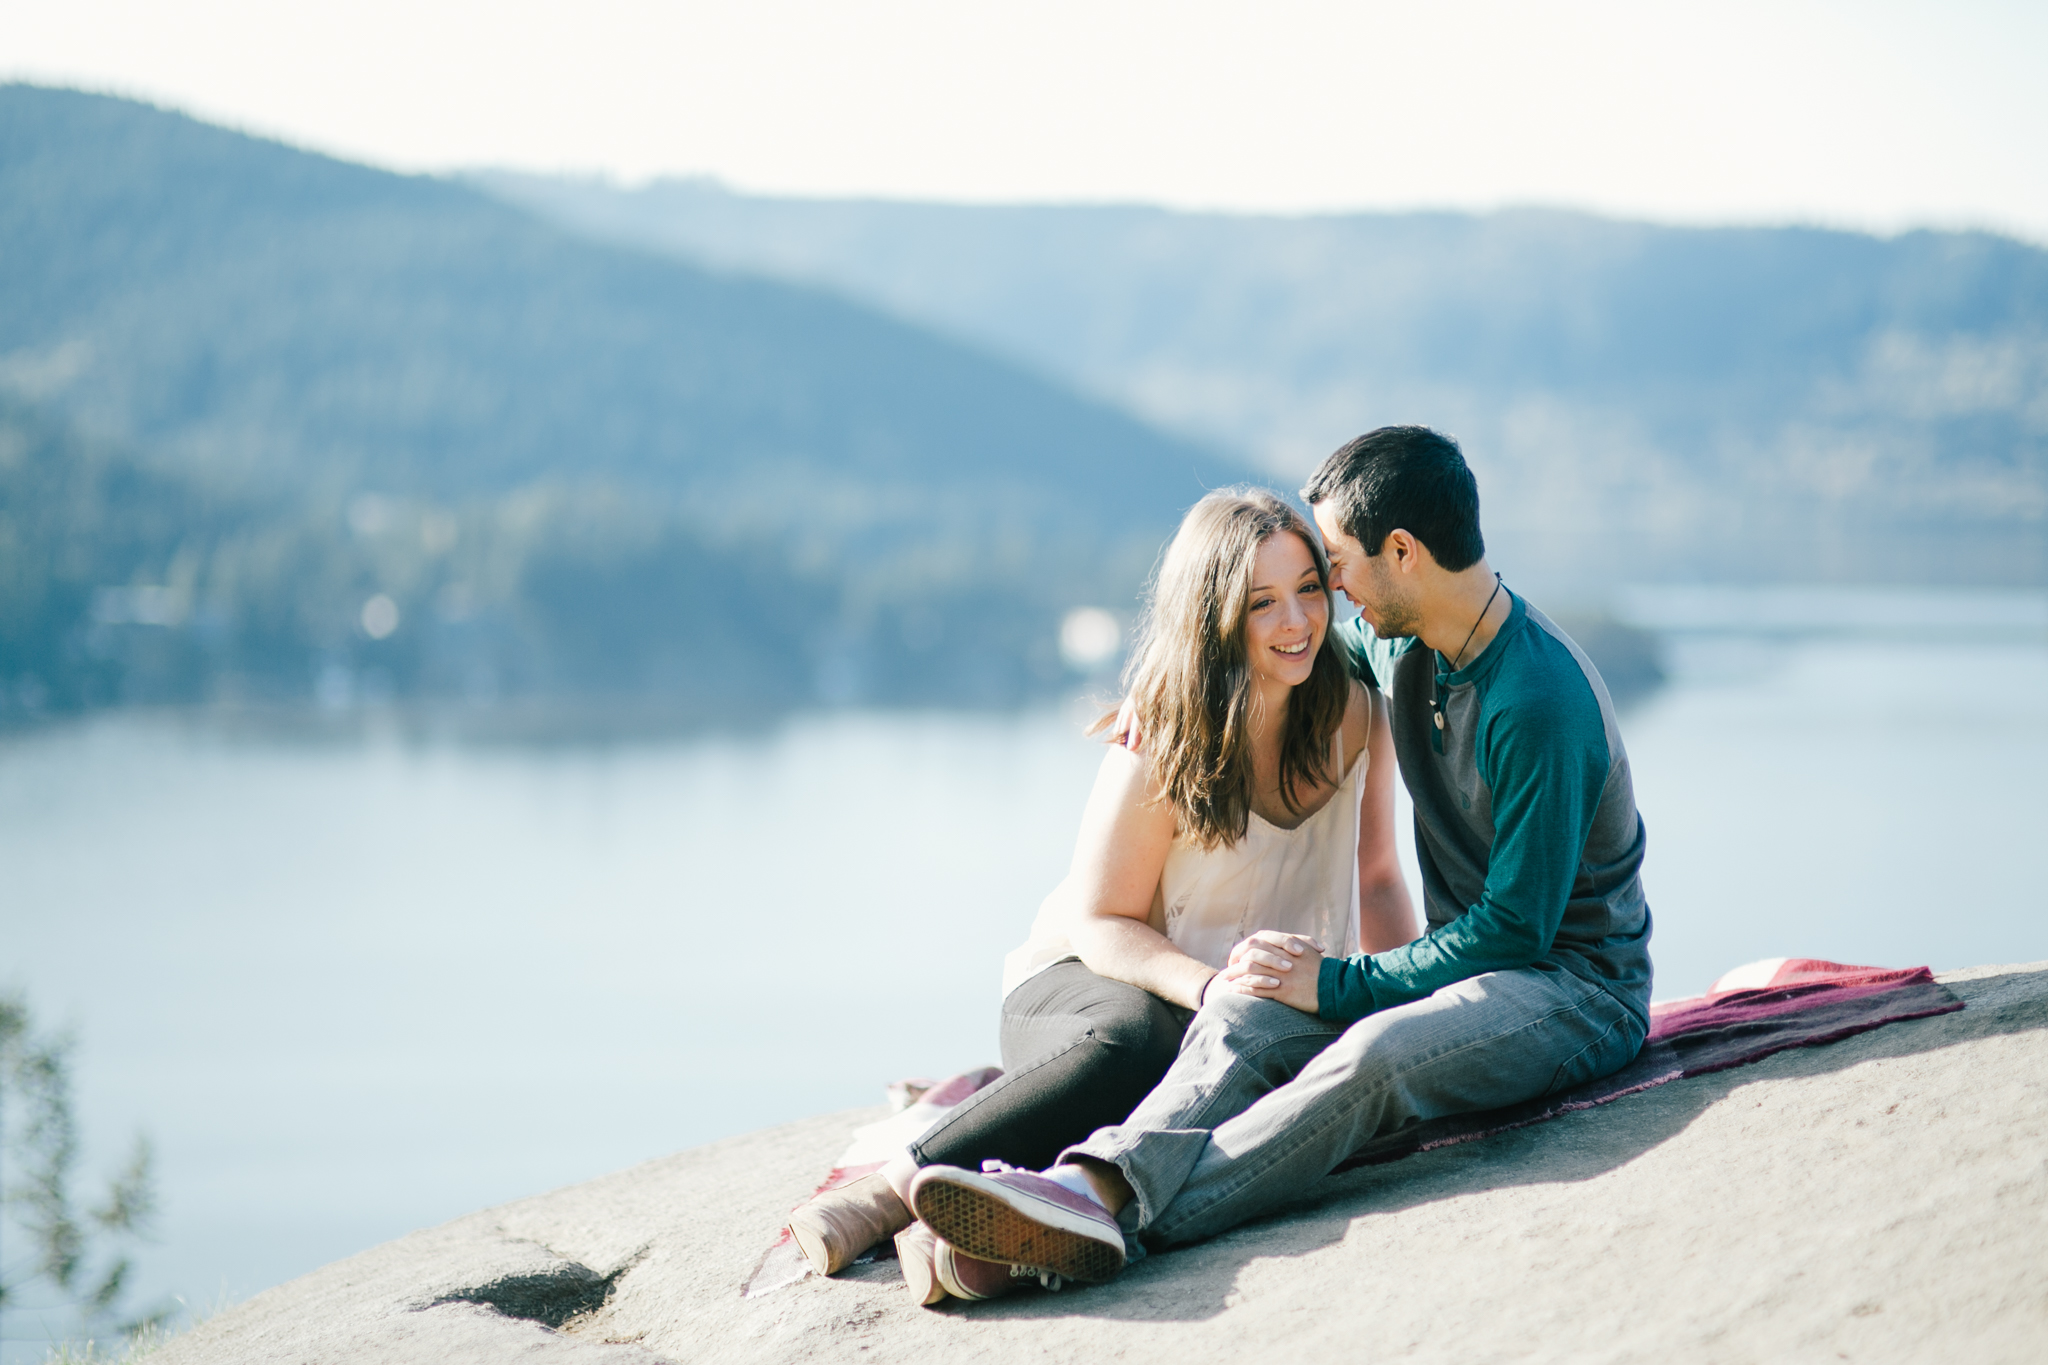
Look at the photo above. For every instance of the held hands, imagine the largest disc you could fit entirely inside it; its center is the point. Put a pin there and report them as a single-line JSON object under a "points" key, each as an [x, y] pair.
{"points": [[1271, 965]]}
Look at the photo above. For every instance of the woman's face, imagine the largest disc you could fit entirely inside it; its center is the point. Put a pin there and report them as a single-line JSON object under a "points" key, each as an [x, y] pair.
{"points": [[1288, 611]]}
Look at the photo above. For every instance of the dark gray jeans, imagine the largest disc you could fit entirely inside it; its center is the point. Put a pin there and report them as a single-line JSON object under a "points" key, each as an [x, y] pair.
{"points": [[1264, 1100], [1079, 1051]]}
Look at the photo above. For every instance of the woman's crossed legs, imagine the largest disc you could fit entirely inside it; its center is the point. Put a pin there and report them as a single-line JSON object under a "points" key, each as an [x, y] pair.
{"points": [[1079, 1052]]}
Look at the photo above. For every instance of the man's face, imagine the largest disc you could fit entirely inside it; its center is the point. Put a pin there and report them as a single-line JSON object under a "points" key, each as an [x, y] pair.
{"points": [[1368, 580]]}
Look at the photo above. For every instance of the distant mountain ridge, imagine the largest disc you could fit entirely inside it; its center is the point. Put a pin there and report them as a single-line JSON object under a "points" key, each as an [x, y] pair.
{"points": [[1640, 401], [447, 344], [294, 334]]}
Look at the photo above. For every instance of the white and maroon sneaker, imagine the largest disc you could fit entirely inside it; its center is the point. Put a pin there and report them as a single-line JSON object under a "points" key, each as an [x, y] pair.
{"points": [[935, 1271], [917, 1254], [1016, 1218]]}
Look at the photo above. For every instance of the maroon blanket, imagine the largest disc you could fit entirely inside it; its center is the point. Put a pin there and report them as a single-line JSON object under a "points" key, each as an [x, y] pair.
{"points": [[1792, 1002]]}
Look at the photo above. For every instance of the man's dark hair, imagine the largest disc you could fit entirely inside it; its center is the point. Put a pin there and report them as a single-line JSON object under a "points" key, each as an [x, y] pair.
{"points": [[1403, 478]]}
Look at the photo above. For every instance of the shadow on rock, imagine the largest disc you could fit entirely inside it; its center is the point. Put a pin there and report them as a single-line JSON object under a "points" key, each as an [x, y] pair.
{"points": [[554, 1298]]}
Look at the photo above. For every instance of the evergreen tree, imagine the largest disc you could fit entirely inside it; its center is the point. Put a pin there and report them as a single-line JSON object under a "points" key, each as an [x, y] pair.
{"points": [[62, 1263]]}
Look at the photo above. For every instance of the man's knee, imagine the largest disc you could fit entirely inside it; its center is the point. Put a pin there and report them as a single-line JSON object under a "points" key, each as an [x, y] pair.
{"points": [[1254, 1030], [1480, 1044]]}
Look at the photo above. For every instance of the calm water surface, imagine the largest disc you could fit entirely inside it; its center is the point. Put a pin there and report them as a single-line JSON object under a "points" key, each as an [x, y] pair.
{"points": [[355, 988]]}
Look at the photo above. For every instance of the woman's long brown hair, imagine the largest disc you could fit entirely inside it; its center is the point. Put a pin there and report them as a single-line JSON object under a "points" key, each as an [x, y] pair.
{"points": [[1191, 678]]}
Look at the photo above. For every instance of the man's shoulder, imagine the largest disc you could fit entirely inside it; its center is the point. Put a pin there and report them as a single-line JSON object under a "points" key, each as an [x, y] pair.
{"points": [[1544, 684], [1372, 659]]}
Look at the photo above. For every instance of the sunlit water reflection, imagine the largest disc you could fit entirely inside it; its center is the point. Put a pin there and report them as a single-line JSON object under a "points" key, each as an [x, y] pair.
{"points": [[357, 988]]}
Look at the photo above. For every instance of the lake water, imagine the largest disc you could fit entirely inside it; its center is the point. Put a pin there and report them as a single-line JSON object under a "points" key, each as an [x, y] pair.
{"points": [[358, 986]]}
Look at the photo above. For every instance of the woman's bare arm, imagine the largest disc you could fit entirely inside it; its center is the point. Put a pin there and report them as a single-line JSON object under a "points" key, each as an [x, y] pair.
{"points": [[1108, 892], [1386, 915]]}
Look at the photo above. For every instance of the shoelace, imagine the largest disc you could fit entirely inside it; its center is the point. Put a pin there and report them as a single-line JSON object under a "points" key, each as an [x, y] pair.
{"points": [[1048, 1278]]}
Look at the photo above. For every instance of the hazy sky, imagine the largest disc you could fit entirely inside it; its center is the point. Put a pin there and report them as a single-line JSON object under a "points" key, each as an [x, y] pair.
{"points": [[1868, 113]]}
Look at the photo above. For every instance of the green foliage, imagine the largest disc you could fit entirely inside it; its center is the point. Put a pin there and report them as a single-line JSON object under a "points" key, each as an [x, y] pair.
{"points": [[121, 585], [136, 1346], [75, 1264]]}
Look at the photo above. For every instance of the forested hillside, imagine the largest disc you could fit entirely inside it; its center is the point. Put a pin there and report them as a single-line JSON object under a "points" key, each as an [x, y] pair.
{"points": [[568, 466], [1641, 401]]}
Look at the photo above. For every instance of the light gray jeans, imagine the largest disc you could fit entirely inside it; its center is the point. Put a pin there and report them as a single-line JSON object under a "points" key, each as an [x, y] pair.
{"points": [[1264, 1100]]}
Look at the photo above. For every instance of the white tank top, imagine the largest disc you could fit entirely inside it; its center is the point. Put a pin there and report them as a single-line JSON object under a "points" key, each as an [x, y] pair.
{"points": [[1302, 880]]}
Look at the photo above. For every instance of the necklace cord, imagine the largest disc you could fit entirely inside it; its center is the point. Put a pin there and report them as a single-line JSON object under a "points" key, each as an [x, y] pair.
{"points": [[1475, 625]]}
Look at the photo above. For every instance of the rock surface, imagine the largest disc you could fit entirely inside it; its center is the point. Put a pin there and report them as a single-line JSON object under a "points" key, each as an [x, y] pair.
{"points": [[1881, 1198]]}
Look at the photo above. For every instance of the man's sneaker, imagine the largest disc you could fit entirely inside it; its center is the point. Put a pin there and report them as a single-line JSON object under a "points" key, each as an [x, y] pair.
{"points": [[917, 1253], [971, 1278], [933, 1269], [1016, 1218]]}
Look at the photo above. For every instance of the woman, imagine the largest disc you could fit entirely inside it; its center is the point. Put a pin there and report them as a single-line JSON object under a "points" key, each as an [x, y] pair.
{"points": [[1263, 800]]}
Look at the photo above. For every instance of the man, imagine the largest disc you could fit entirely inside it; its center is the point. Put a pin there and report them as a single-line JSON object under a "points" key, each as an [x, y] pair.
{"points": [[1533, 976]]}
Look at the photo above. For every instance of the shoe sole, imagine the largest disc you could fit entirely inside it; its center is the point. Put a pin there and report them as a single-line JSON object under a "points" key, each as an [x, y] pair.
{"points": [[982, 1219], [921, 1276], [812, 1245]]}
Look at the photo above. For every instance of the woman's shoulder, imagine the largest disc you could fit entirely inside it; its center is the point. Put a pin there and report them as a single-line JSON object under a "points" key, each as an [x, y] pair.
{"points": [[1130, 774], [1125, 799]]}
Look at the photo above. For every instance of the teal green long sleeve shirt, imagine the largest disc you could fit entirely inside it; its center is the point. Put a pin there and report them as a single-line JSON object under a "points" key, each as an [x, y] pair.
{"points": [[1526, 827]]}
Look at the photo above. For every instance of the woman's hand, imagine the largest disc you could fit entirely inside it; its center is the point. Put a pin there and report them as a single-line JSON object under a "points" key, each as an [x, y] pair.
{"points": [[1267, 940], [1271, 965]]}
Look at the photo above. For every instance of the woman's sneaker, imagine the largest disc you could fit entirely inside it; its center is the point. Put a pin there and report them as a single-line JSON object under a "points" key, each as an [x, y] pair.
{"points": [[1016, 1218], [839, 1225], [917, 1252]]}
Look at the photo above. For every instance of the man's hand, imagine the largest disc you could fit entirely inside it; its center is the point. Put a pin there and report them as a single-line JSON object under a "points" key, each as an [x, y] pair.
{"points": [[1128, 732], [1275, 966]]}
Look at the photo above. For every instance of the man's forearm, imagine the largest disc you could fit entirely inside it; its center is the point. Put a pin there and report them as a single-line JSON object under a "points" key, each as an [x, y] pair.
{"points": [[1483, 939]]}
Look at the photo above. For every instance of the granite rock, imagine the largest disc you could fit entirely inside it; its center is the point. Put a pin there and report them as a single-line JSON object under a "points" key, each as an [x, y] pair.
{"points": [[1880, 1198]]}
